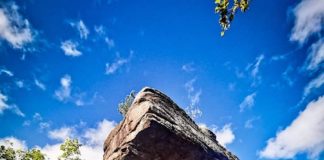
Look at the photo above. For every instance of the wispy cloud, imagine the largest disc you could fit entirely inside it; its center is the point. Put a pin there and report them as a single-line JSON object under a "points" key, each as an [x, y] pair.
{"points": [[314, 84], [102, 34], [303, 135], [64, 92], [13, 27], [111, 68], [253, 70], [20, 84], [248, 102], [37, 117], [4, 105], [15, 109], [110, 42], [249, 123], [286, 77], [100, 30], [40, 84], [7, 72], [309, 19], [194, 97], [188, 67], [82, 29], [39, 121], [316, 55], [70, 48], [256, 66], [44, 125]]}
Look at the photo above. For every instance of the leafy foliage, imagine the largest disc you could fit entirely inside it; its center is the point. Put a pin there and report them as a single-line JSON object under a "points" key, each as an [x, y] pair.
{"points": [[34, 154], [226, 13], [124, 106], [70, 149], [9, 153]]}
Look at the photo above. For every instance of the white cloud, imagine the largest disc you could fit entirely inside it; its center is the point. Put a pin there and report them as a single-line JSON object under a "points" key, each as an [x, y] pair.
{"points": [[225, 135], [92, 140], [64, 92], [79, 102], [13, 142], [194, 97], [26, 123], [5, 71], [96, 136], [62, 133], [248, 102], [249, 123], [100, 30], [37, 117], [52, 152], [3, 102], [40, 84], [309, 19], [314, 84], [44, 125], [20, 84], [70, 48], [256, 66], [111, 68], [13, 28], [286, 77], [15, 109], [110, 42], [4, 106], [253, 69], [303, 135], [188, 67], [316, 55], [82, 29], [189, 85]]}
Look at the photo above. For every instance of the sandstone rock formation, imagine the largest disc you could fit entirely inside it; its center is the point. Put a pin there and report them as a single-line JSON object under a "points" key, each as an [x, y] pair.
{"points": [[155, 128]]}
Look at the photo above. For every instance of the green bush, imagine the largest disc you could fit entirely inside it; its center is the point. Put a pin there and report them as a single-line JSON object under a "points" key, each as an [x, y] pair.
{"points": [[124, 106]]}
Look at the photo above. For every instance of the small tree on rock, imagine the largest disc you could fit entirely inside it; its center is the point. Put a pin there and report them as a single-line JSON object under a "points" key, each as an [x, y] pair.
{"points": [[124, 106]]}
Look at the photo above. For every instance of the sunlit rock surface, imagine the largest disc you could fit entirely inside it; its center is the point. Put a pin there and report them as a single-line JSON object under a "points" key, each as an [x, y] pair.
{"points": [[155, 128]]}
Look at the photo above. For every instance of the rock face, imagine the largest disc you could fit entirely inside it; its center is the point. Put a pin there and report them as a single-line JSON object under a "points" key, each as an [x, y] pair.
{"points": [[155, 128]]}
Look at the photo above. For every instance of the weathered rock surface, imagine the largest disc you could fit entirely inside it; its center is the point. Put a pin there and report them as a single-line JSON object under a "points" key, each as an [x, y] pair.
{"points": [[155, 128]]}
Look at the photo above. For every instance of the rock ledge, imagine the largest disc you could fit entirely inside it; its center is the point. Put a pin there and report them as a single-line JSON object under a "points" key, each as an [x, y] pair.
{"points": [[155, 128]]}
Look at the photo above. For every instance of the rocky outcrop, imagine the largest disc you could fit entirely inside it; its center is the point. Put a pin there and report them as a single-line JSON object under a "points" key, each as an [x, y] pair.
{"points": [[155, 128]]}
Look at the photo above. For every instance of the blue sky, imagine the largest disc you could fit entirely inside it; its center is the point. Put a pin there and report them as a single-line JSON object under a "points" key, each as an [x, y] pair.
{"points": [[65, 66]]}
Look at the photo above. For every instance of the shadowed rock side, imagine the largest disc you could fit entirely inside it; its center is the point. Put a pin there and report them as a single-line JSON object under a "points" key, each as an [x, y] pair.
{"points": [[155, 128]]}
